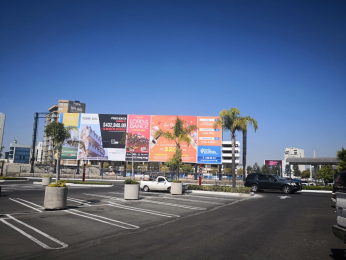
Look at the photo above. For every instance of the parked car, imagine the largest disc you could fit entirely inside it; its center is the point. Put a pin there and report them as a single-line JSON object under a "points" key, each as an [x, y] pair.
{"points": [[339, 189], [261, 181], [160, 183]]}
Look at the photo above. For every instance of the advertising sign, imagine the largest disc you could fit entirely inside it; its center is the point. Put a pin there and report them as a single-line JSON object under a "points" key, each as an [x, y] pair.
{"points": [[69, 151], [76, 107], [162, 149], [139, 125], [209, 141], [272, 163]]}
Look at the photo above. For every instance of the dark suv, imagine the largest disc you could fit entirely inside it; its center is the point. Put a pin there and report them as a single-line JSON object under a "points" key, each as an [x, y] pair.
{"points": [[261, 181], [339, 189]]}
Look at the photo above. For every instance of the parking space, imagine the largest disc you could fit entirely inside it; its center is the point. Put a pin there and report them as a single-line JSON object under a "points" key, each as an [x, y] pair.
{"points": [[91, 214]]}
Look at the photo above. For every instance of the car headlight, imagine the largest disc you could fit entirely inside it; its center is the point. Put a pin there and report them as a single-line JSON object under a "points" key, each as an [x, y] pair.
{"points": [[293, 184]]}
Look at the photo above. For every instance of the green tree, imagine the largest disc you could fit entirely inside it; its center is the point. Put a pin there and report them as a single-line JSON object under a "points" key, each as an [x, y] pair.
{"points": [[265, 169], [164, 168], [187, 167], [60, 134], [249, 170], [133, 142], [214, 170], [342, 157], [306, 174], [287, 169], [230, 120], [326, 173], [240, 171], [180, 134], [1, 148], [256, 168], [245, 121], [227, 171], [296, 171]]}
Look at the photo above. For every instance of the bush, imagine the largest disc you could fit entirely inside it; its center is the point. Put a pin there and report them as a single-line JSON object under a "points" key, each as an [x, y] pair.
{"points": [[176, 181], [220, 188], [12, 178], [60, 183], [129, 181], [318, 188], [90, 182], [47, 175]]}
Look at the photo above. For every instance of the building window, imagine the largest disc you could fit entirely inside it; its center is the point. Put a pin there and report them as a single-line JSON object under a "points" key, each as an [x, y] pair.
{"points": [[60, 108]]}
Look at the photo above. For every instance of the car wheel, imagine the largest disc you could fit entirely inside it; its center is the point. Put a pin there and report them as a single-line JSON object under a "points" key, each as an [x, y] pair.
{"points": [[254, 187], [286, 189], [146, 188], [169, 189]]}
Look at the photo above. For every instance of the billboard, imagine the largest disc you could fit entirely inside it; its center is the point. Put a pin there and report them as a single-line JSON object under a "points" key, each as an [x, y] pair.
{"points": [[162, 149], [139, 125], [76, 107], [209, 141], [272, 163], [101, 135]]}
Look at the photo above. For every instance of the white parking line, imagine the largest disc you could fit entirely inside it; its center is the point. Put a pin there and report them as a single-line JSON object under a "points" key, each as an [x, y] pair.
{"points": [[174, 198], [113, 204], [215, 198], [26, 205], [174, 205], [95, 217], [63, 245], [31, 203]]}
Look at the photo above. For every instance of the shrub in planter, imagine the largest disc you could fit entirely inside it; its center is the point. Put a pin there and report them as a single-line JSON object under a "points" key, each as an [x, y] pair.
{"points": [[131, 190], [220, 188], [177, 187], [56, 195], [46, 179]]}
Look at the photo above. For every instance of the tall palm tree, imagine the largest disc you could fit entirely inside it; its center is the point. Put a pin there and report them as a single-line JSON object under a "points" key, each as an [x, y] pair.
{"points": [[245, 120], [230, 120], [179, 135]]}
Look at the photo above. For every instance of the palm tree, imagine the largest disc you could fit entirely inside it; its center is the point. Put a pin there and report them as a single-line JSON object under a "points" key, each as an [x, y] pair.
{"points": [[230, 120], [245, 120], [180, 134], [60, 134]]}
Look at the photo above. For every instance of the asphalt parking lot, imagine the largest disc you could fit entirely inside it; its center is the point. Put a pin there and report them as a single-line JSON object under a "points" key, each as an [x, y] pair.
{"points": [[92, 213]]}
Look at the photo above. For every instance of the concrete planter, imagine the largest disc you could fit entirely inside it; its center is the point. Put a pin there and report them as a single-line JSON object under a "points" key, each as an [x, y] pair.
{"points": [[131, 192], [55, 198], [46, 181], [177, 188]]}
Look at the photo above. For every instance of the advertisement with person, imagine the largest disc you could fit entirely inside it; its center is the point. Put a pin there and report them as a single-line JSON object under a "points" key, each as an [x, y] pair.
{"points": [[90, 135], [70, 148], [162, 149], [113, 127], [273, 163], [209, 141], [139, 125]]}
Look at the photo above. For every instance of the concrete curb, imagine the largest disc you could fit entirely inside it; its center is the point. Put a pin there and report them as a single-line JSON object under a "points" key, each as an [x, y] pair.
{"points": [[79, 179], [81, 185], [12, 180], [315, 191], [222, 193]]}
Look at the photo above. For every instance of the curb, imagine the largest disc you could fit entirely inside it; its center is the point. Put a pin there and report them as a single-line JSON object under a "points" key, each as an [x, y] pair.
{"points": [[315, 191], [75, 179], [222, 193], [12, 180], [81, 185]]}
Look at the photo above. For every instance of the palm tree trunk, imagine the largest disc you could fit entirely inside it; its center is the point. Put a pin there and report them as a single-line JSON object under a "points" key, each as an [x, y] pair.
{"points": [[244, 153], [57, 167], [233, 161]]}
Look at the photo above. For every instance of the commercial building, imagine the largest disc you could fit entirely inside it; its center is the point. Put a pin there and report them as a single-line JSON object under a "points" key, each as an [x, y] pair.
{"points": [[227, 152], [19, 153], [39, 152], [64, 106], [2, 127], [293, 153]]}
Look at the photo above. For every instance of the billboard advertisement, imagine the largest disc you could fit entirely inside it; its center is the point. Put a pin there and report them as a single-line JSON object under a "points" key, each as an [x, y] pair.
{"points": [[162, 149], [76, 107], [272, 163], [101, 135], [139, 125], [69, 151], [209, 141]]}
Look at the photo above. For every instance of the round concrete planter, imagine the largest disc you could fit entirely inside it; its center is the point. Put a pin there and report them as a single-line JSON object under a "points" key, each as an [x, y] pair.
{"points": [[177, 188], [46, 181], [131, 192], [55, 198]]}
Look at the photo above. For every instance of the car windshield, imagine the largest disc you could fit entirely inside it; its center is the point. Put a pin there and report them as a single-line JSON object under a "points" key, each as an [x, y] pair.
{"points": [[278, 177], [169, 179]]}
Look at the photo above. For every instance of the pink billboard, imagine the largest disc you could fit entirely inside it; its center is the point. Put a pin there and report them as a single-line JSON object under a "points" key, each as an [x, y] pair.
{"points": [[273, 163]]}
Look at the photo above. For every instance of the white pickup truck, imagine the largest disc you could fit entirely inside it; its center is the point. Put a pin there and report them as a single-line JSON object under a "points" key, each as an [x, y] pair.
{"points": [[160, 183]]}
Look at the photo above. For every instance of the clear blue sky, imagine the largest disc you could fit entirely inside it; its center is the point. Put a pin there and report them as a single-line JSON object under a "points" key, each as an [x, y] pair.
{"points": [[280, 62]]}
